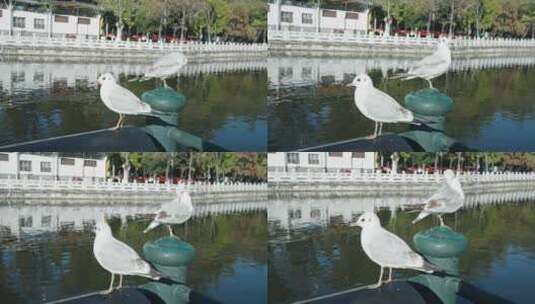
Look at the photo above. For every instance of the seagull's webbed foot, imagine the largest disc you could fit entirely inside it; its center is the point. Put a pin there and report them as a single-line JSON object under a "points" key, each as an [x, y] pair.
{"points": [[375, 286], [107, 292]]}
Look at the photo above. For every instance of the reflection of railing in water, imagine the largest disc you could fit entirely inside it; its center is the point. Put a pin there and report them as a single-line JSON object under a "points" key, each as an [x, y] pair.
{"points": [[18, 77], [288, 71], [51, 218], [294, 213]]}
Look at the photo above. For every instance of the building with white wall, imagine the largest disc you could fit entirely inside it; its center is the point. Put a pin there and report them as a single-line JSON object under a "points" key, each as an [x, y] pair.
{"points": [[52, 166], [321, 162], [25, 20], [288, 16]]}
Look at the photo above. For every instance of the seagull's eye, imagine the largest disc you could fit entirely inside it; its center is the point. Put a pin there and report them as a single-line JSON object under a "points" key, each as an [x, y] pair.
{"points": [[358, 79]]}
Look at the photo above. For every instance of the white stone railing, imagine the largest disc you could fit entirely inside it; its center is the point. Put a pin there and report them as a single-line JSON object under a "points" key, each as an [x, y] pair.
{"points": [[357, 177], [96, 44], [198, 187], [301, 36]]}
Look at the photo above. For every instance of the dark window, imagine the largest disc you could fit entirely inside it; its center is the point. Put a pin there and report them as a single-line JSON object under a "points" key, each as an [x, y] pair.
{"points": [[46, 167], [67, 161], [329, 13], [336, 154], [25, 165], [39, 24], [313, 159], [61, 19], [306, 18], [39, 77], [294, 213], [90, 163], [46, 221], [287, 17], [4, 157], [351, 15], [293, 158], [19, 22], [358, 155], [82, 20]]}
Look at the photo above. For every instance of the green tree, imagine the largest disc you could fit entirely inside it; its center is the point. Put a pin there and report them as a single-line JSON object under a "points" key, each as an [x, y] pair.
{"points": [[124, 11]]}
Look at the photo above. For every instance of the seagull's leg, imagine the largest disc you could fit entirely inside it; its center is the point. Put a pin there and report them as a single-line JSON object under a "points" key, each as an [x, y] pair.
{"points": [[118, 122], [120, 282], [441, 220], [380, 282], [380, 129], [122, 121], [110, 290], [430, 84], [389, 275], [165, 83], [374, 135]]}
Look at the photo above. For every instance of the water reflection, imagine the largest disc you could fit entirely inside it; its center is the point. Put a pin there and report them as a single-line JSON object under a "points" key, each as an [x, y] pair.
{"points": [[46, 249], [312, 250], [492, 105], [43, 100]]}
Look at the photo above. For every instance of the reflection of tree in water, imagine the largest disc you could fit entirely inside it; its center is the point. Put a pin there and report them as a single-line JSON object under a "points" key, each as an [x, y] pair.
{"points": [[213, 99], [59, 265], [223, 241], [333, 260]]}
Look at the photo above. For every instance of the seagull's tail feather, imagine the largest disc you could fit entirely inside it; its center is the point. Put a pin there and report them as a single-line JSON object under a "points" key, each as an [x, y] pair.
{"points": [[403, 76], [153, 274], [429, 267], [420, 217], [141, 79], [420, 121], [160, 113], [151, 226]]}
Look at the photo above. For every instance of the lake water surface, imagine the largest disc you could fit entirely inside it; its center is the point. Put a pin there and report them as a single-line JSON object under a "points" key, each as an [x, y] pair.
{"points": [[313, 251], [309, 103], [225, 101], [46, 250]]}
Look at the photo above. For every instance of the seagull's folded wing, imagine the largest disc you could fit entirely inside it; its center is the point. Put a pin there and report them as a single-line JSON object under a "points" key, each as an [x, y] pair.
{"points": [[389, 249], [430, 61], [438, 202], [118, 257], [382, 107], [126, 102]]}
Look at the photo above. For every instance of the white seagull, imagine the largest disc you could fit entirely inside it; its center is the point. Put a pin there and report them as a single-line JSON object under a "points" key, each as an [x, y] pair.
{"points": [[377, 105], [387, 249], [166, 67], [177, 211], [432, 66], [120, 100], [118, 258], [447, 199]]}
